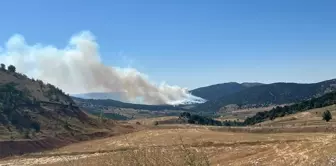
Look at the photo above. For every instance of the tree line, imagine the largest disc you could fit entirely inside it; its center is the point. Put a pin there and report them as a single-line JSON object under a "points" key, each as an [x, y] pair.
{"points": [[203, 120], [10, 68], [323, 101]]}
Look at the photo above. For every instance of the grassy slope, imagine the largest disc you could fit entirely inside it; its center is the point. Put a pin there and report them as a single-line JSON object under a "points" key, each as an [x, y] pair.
{"points": [[26, 125], [319, 102], [311, 117], [16, 123]]}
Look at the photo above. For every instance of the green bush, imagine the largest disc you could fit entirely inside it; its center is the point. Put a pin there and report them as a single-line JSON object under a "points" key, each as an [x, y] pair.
{"points": [[36, 126], [327, 116], [11, 68], [3, 66]]}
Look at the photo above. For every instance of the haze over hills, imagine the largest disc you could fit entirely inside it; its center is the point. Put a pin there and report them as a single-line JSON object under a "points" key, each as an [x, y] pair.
{"points": [[220, 95], [210, 92]]}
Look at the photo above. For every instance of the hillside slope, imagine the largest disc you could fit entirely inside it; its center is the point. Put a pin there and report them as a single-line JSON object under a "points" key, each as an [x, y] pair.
{"points": [[276, 93], [319, 102], [36, 116]]}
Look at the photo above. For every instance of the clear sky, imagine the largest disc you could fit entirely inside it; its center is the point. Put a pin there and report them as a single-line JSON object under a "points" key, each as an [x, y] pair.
{"points": [[191, 43]]}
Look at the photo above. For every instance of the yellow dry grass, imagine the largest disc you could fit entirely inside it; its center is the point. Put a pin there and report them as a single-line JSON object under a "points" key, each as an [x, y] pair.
{"points": [[150, 121], [312, 117], [179, 145], [193, 146]]}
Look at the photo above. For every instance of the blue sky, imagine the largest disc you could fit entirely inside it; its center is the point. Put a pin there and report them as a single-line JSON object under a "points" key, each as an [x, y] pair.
{"points": [[191, 43]]}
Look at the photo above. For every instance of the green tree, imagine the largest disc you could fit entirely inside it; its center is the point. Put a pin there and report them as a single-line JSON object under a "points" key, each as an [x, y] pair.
{"points": [[11, 68], [327, 116], [3, 66]]}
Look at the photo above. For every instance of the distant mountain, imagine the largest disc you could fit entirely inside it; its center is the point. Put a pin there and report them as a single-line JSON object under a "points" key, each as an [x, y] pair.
{"points": [[276, 93], [217, 91], [211, 92], [251, 84]]}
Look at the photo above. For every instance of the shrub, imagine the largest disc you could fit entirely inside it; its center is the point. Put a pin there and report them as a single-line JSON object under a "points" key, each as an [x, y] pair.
{"points": [[11, 68], [327, 116], [3, 66], [36, 126]]}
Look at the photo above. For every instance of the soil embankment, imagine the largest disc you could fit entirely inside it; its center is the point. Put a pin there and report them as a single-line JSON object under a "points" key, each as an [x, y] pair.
{"points": [[20, 147]]}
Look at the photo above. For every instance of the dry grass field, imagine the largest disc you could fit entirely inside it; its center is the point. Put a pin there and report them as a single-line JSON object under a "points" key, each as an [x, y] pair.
{"points": [[150, 121], [180, 145], [309, 118], [241, 114], [192, 146]]}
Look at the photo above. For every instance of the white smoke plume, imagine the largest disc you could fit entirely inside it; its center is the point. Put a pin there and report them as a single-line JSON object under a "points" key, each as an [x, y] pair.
{"points": [[77, 68]]}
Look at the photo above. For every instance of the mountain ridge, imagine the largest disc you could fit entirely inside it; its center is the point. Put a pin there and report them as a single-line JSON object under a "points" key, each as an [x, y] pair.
{"points": [[275, 93], [216, 91]]}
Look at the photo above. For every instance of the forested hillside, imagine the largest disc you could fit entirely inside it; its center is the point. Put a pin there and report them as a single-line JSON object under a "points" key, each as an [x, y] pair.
{"points": [[216, 91], [277, 93]]}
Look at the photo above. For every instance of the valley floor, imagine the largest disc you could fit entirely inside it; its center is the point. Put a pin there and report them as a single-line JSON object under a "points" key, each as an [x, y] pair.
{"points": [[182, 146]]}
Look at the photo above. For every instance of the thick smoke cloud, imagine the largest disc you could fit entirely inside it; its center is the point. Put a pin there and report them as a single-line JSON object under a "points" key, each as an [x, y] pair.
{"points": [[77, 68]]}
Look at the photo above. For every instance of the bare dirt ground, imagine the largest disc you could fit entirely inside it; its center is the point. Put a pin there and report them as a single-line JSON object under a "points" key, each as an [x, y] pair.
{"points": [[221, 148]]}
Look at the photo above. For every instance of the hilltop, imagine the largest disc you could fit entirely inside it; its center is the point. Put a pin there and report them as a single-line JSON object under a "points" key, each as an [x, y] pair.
{"points": [[217, 91]]}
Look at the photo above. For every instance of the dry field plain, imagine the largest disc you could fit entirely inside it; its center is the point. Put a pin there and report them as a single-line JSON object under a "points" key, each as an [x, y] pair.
{"points": [[203, 145], [192, 146]]}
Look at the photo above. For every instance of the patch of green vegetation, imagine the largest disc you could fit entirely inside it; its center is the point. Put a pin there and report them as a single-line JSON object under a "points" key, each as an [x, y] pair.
{"points": [[113, 116], [327, 116], [323, 101], [202, 120]]}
